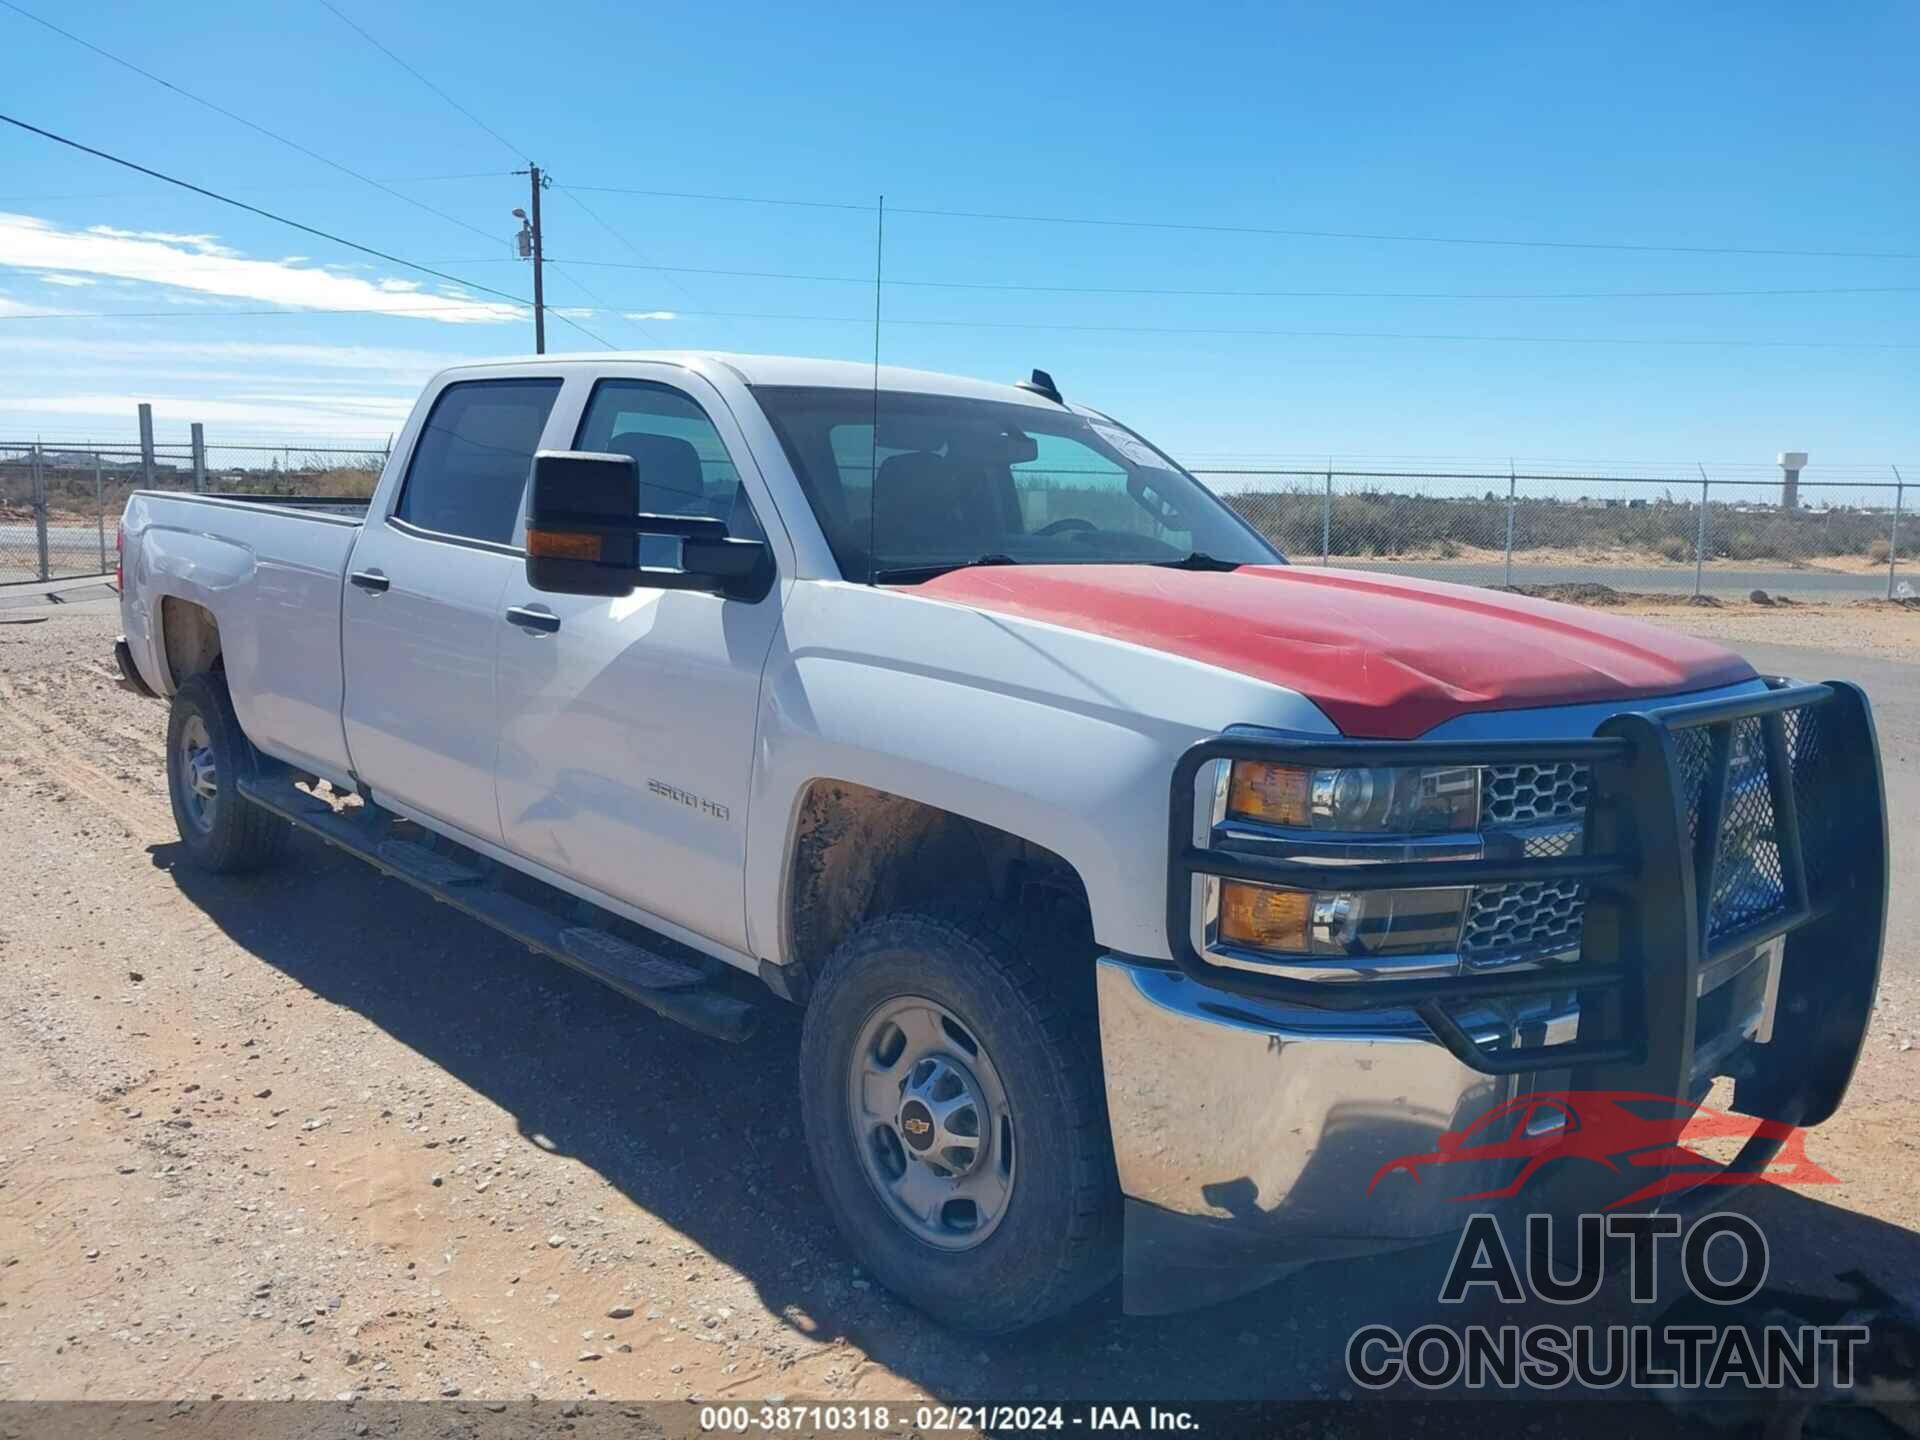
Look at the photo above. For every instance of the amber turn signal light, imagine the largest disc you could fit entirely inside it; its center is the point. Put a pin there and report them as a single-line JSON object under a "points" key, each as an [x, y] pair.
{"points": [[1263, 916], [1276, 794]]}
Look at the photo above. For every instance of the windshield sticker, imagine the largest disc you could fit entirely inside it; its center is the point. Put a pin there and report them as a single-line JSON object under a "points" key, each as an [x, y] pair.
{"points": [[1131, 448]]}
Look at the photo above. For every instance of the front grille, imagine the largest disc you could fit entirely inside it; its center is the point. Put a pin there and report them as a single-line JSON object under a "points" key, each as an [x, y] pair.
{"points": [[1522, 794], [1506, 923]]}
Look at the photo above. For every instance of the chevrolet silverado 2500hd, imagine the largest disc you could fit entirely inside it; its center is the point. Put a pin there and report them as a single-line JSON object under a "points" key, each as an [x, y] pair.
{"points": [[1146, 895]]}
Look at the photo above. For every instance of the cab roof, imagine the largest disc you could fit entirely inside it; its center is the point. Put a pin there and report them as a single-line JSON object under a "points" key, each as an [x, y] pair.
{"points": [[782, 370]]}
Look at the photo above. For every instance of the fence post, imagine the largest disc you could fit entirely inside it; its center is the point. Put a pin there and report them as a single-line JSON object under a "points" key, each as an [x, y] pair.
{"points": [[146, 446], [1512, 485], [1326, 520], [1893, 531], [1700, 535], [199, 458], [40, 513], [100, 510]]}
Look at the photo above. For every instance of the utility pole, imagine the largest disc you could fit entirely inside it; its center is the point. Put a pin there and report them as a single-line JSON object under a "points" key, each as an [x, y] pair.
{"points": [[530, 248]]}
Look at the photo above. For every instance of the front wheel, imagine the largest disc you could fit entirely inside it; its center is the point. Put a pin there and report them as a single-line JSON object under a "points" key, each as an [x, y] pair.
{"points": [[956, 1123], [207, 752]]}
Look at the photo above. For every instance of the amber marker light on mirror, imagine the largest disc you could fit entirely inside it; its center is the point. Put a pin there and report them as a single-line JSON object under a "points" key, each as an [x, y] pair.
{"points": [[563, 545]]}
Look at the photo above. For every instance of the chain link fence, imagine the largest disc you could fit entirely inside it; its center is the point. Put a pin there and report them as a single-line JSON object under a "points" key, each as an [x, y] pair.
{"points": [[1662, 535], [59, 504], [1674, 534]]}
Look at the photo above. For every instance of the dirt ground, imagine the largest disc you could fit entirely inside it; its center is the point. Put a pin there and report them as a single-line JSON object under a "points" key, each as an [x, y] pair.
{"points": [[310, 1135], [1867, 627]]}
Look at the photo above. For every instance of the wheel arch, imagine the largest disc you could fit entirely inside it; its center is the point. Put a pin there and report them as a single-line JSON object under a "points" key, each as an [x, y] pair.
{"points": [[188, 640], [856, 852]]}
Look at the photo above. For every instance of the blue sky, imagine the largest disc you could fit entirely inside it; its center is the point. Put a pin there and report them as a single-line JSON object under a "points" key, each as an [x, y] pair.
{"points": [[1759, 127]]}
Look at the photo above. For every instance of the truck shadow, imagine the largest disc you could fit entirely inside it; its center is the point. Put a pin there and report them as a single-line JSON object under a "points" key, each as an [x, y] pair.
{"points": [[707, 1138]]}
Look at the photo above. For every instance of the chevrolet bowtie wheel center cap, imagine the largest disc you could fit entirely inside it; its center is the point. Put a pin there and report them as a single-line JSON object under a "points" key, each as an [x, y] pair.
{"points": [[931, 1115]]}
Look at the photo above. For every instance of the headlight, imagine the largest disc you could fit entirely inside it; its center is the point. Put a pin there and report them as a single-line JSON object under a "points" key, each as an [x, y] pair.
{"points": [[1333, 922], [1379, 799]]}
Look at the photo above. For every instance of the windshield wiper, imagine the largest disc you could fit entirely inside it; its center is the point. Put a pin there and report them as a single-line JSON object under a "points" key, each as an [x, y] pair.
{"points": [[1197, 560], [914, 574]]}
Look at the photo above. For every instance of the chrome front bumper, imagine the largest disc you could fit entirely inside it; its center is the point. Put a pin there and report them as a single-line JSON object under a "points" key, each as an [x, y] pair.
{"points": [[1246, 1132], [1251, 1108]]}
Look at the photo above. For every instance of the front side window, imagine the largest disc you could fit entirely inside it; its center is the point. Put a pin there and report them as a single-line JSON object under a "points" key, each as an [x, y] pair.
{"points": [[949, 480], [471, 462], [684, 465]]}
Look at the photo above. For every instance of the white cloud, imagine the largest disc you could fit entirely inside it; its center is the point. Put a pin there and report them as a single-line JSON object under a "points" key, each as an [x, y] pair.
{"points": [[87, 386], [652, 315], [204, 243], [292, 413], [68, 280], [406, 367], [199, 265]]}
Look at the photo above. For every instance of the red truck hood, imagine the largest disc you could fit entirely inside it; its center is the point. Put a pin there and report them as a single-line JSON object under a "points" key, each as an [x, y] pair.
{"points": [[1385, 656]]}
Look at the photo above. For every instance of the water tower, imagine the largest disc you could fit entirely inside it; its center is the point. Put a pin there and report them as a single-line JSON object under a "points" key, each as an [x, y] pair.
{"points": [[1792, 462]]}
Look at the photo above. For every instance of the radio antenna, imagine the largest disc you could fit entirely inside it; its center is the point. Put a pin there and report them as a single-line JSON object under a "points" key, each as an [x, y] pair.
{"points": [[873, 451]]}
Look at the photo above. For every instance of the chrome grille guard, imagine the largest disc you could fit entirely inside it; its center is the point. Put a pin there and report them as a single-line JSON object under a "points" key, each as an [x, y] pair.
{"points": [[1661, 907]]}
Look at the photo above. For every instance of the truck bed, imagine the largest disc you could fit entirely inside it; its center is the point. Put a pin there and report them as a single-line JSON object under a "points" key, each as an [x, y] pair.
{"points": [[353, 506], [270, 569]]}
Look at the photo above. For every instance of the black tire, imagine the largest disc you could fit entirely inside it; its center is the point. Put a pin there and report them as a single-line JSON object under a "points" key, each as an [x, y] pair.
{"points": [[224, 833], [1055, 1245]]}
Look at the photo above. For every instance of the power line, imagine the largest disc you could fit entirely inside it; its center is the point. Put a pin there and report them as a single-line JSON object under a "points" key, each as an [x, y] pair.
{"points": [[578, 284], [243, 120], [594, 215], [734, 199], [532, 170], [1264, 294], [575, 280], [1269, 231], [1414, 239], [226, 314], [866, 320], [282, 219], [260, 189], [355, 27]]}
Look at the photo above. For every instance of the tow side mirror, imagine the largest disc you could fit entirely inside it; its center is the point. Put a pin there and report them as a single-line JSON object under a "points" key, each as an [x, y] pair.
{"points": [[584, 529]]}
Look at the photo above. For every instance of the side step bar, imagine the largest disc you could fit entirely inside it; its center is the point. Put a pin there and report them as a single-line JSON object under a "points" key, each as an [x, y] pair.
{"points": [[664, 985]]}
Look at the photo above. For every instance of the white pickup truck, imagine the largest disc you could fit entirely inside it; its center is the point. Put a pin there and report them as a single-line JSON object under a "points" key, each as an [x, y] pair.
{"points": [[1147, 896]]}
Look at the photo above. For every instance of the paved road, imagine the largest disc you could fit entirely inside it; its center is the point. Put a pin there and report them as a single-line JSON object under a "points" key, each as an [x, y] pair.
{"points": [[1663, 579], [1894, 689], [70, 551]]}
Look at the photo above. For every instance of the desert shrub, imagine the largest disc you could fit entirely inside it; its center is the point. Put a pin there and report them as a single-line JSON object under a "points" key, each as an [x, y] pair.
{"points": [[1672, 547], [1880, 551]]}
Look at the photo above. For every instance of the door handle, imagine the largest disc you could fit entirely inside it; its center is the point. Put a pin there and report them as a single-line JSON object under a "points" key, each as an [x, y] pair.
{"points": [[371, 581], [543, 621]]}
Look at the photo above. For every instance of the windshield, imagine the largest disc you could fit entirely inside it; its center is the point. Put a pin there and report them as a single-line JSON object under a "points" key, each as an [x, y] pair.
{"points": [[964, 480]]}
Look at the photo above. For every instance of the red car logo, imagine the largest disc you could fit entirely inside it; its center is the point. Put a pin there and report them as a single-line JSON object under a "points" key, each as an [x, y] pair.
{"points": [[1624, 1131]]}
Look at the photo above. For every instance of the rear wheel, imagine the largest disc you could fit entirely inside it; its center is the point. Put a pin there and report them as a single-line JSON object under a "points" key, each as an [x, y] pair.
{"points": [[956, 1123], [207, 752]]}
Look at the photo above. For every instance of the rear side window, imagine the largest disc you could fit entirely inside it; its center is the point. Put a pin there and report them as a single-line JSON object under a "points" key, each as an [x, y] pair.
{"points": [[684, 465], [470, 465]]}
